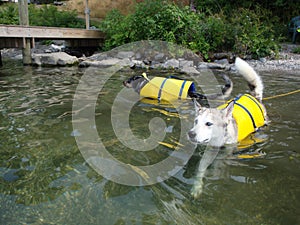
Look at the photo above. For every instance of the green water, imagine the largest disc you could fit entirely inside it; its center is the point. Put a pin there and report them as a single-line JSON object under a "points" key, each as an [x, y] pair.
{"points": [[45, 179]]}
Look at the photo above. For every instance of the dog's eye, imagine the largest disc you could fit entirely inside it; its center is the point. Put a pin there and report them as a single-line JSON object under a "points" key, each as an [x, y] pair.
{"points": [[196, 122], [208, 124]]}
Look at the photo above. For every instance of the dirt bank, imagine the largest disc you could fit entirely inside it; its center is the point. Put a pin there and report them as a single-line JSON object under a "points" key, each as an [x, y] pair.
{"points": [[99, 9]]}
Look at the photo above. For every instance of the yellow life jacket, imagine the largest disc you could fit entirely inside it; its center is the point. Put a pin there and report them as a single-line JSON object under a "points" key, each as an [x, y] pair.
{"points": [[248, 113], [165, 88]]}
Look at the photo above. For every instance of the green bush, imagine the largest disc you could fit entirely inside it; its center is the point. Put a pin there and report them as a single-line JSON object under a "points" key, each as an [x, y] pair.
{"points": [[245, 32], [44, 16], [253, 34], [296, 50], [152, 20], [156, 20], [9, 14], [115, 27], [51, 17]]}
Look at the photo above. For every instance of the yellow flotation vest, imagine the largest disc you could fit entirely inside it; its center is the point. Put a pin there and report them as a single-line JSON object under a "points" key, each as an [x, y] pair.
{"points": [[248, 113], [166, 88]]}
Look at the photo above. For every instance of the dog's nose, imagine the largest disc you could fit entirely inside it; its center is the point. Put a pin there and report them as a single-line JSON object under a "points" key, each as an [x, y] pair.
{"points": [[125, 83], [192, 134]]}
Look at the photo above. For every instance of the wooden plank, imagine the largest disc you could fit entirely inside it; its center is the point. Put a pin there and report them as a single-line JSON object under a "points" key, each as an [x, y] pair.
{"points": [[49, 32]]}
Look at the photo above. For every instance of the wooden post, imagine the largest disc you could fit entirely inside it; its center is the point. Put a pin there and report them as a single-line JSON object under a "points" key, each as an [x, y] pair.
{"points": [[24, 20], [87, 15], [1, 64]]}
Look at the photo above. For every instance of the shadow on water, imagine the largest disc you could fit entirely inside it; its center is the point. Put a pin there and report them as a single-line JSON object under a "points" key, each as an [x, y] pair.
{"points": [[45, 180]]}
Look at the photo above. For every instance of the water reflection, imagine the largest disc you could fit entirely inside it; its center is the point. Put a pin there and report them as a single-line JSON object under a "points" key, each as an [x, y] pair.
{"points": [[45, 180]]}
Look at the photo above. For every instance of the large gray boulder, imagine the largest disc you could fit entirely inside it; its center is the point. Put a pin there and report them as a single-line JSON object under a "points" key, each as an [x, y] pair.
{"points": [[54, 59]]}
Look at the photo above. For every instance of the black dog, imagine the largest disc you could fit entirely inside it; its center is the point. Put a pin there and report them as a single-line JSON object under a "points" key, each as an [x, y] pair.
{"points": [[171, 88]]}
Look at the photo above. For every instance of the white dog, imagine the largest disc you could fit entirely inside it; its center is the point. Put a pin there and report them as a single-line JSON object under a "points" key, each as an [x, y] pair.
{"points": [[234, 121], [230, 123]]}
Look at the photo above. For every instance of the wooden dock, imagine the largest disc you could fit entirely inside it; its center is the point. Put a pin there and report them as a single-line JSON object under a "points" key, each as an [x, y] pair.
{"points": [[13, 36], [25, 37]]}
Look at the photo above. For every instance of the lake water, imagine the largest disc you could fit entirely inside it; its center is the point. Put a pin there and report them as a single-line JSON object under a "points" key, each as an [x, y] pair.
{"points": [[44, 178]]}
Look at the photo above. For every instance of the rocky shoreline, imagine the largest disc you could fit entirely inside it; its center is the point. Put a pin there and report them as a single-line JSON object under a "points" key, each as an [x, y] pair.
{"points": [[44, 55]]}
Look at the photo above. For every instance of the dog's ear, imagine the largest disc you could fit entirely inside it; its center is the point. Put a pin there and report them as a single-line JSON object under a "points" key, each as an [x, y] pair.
{"points": [[228, 111], [197, 105]]}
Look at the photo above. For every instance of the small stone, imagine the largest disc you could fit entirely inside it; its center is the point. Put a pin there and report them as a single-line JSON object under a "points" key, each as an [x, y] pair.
{"points": [[172, 63]]}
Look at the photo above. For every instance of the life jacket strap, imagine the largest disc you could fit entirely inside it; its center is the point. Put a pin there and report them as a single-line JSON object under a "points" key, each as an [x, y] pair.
{"points": [[181, 89], [246, 110], [161, 88], [249, 114], [258, 105]]}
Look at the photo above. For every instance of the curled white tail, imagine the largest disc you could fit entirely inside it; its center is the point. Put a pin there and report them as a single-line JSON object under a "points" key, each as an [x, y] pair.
{"points": [[253, 79]]}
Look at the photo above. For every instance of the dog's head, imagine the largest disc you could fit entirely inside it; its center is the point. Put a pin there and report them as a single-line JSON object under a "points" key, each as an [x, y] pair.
{"points": [[132, 80], [136, 82], [211, 125]]}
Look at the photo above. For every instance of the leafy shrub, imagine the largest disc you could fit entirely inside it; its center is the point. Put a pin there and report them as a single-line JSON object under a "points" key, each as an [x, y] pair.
{"points": [[253, 35], [9, 14], [156, 20], [296, 50], [44, 16], [216, 31], [50, 16], [151, 20], [116, 29], [247, 32]]}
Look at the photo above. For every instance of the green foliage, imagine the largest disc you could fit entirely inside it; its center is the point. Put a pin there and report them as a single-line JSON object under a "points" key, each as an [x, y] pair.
{"points": [[44, 16], [156, 20], [216, 32], [115, 27], [47, 42], [252, 34], [296, 50], [50, 16], [152, 20], [285, 10], [9, 14], [244, 32]]}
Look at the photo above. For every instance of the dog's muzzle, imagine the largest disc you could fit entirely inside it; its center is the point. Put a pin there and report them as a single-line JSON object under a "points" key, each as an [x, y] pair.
{"points": [[126, 84]]}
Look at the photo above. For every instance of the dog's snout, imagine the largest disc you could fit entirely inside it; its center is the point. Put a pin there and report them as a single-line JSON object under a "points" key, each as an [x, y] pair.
{"points": [[126, 84], [192, 134]]}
